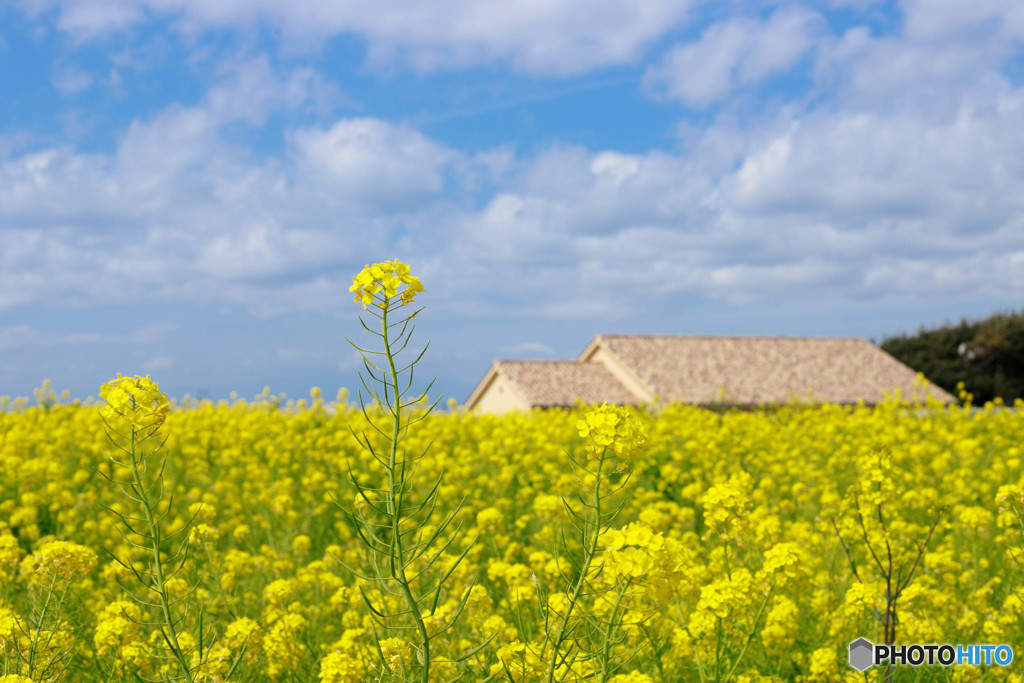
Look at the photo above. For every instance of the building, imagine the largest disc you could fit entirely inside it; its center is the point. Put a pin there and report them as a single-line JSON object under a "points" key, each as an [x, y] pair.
{"points": [[740, 371]]}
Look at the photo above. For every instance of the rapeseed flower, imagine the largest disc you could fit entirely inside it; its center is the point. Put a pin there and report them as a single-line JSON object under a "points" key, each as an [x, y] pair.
{"points": [[631, 677], [10, 552], [386, 277], [397, 654], [8, 626], [338, 667], [283, 645], [727, 596], [727, 502], [612, 427], [117, 626], [519, 658], [61, 559], [824, 665], [244, 632], [783, 563], [781, 626], [301, 544], [133, 404], [488, 519]]}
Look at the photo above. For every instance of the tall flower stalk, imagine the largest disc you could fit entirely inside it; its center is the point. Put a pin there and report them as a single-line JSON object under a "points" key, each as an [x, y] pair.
{"points": [[133, 413], [44, 647], [879, 521], [403, 541], [612, 437]]}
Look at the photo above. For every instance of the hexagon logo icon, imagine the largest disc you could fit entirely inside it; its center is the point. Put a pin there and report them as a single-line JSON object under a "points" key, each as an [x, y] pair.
{"points": [[862, 654]]}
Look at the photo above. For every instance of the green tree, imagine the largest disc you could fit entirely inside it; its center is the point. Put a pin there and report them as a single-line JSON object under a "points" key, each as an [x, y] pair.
{"points": [[986, 355]]}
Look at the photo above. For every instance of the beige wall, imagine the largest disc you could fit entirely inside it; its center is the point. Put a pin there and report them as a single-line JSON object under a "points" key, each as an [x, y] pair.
{"points": [[500, 396]]}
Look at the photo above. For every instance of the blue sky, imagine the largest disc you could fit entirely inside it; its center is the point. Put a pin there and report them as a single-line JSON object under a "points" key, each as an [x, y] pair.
{"points": [[188, 186]]}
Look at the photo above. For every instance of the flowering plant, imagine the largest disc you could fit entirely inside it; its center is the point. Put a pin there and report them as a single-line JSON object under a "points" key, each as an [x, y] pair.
{"points": [[404, 541]]}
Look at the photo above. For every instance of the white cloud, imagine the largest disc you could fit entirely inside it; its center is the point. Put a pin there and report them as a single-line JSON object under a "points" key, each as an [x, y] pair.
{"points": [[889, 74], [551, 37], [377, 165], [852, 168], [859, 5], [941, 20], [943, 51], [734, 53], [99, 16]]}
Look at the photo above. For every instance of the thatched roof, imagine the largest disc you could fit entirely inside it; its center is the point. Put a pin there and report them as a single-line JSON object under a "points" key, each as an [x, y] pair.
{"points": [[746, 371], [754, 370], [560, 383]]}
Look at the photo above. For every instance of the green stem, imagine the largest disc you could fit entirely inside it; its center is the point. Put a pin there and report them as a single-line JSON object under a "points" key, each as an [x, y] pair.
{"points": [[750, 636], [39, 626], [395, 504], [610, 630], [224, 593], [683, 625], [718, 650], [44, 673], [154, 537], [589, 550]]}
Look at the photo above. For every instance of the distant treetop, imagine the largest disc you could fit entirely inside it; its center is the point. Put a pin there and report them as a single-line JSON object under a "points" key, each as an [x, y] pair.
{"points": [[986, 355]]}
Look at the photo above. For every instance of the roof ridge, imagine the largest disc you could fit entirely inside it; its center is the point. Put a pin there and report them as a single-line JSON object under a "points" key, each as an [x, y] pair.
{"points": [[539, 360], [726, 336]]}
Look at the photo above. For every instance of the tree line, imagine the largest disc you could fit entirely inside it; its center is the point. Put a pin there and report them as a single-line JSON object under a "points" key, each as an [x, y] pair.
{"points": [[986, 355]]}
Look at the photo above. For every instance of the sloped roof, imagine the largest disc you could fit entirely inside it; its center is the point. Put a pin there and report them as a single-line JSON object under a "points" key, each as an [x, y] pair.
{"points": [[560, 383], [753, 370]]}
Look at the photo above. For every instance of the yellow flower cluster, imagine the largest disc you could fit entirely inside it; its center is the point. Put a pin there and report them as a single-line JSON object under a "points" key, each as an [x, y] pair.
{"points": [[133, 404], [637, 550], [116, 626], [783, 563], [59, 559], [519, 659], [631, 677], [284, 644], [489, 519], [728, 501], [386, 277], [397, 654], [120, 635], [824, 665], [338, 667], [781, 626], [612, 427], [722, 598], [10, 553], [8, 627]]}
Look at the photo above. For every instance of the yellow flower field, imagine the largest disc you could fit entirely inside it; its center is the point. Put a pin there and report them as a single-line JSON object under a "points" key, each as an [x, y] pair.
{"points": [[307, 541], [727, 555]]}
